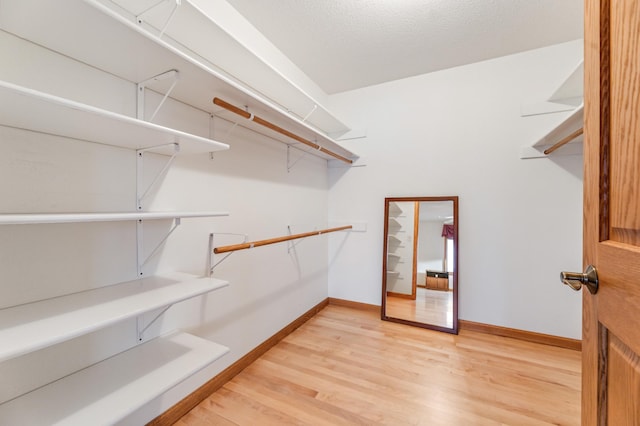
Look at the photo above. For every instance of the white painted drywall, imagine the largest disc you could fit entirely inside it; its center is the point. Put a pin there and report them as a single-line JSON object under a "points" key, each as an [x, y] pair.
{"points": [[459, 132]]}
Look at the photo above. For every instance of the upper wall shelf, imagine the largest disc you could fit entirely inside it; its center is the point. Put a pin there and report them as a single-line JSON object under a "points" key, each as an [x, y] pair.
{"points": [[566, 127], [113, 41], [567, 133], [566, 97], [572, 88], [29, 109], [207, 35], [38, 218]]}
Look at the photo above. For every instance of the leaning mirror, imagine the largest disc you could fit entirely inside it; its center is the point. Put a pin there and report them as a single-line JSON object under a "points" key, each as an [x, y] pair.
{"points": [[420, 262]]}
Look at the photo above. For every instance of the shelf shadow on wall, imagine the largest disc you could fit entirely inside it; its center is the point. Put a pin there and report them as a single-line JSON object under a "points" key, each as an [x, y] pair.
{"points": [[242, 311]]}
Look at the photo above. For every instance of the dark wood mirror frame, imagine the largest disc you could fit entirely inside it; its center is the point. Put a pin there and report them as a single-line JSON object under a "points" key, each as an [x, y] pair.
{"points": [[384, 316]]}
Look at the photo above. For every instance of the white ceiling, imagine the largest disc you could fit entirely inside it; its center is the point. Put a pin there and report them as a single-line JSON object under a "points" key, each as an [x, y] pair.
{"points": [[348, 44]]}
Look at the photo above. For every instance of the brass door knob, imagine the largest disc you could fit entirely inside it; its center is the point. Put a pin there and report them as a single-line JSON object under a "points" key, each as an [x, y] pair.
{"points": [[576, 280]]}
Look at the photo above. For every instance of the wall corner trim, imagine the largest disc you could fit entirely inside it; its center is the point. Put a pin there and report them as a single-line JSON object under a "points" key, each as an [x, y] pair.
{"points": [[355, 305]]}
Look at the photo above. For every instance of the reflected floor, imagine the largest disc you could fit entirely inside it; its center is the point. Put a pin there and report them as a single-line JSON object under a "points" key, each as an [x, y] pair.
{"points": [[431, 307]]}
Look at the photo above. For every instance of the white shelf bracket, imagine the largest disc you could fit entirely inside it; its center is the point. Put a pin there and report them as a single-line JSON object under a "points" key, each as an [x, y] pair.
{"points": [[140, 244], [315, 107], [140, 195], [176, 223], [211, 262], [142, 328], [140, 87], [305, 152], [174, 9]]}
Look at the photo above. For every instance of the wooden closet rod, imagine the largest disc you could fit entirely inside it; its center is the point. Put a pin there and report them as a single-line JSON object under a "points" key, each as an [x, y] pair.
{"points": [[564, 141], [265, 123], [243, 246]]}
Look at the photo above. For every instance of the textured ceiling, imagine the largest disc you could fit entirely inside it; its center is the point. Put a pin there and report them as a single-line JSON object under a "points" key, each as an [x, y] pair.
{"points": [[347, 44]]}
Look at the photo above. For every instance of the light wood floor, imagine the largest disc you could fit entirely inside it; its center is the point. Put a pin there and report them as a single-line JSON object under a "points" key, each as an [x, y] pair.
{"points": [[347, 367], [430, 307]]}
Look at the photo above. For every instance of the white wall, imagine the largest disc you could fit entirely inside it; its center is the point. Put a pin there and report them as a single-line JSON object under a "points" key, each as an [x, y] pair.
{"points": [[459, 132], [270, 286]]}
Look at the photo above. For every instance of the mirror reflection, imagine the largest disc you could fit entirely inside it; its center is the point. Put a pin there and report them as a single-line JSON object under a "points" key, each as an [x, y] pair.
{"points": [[420, 271]]}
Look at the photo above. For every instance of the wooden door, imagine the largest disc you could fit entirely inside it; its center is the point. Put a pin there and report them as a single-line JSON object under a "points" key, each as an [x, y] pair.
{"points": [[611, 317]]}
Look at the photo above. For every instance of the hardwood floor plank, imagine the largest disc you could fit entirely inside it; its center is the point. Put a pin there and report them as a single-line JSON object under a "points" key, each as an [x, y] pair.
{"points": [[406, 383], [201, 416], [243, 410], [370, 394], [347, 367], [309, 410]]}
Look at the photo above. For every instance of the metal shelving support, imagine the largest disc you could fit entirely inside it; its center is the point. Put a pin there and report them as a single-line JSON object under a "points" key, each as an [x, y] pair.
{"points": [[140, 93], [210, 257], [174, 9]]}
